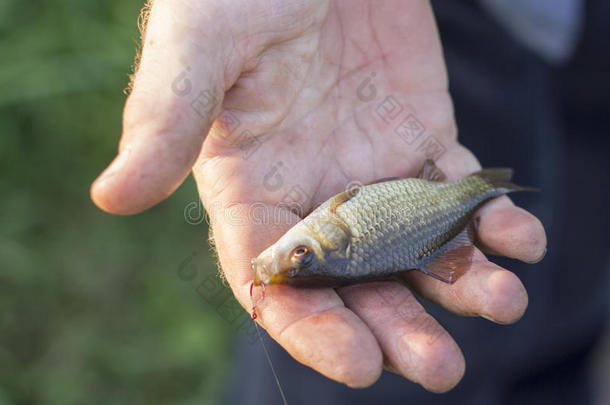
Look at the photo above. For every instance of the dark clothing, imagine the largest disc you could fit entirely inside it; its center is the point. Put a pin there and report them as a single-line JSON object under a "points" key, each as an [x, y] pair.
{"points": [[550, 125]]}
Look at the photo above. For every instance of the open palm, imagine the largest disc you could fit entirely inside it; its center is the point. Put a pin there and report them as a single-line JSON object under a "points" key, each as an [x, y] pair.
{"points": [[304, 98]]}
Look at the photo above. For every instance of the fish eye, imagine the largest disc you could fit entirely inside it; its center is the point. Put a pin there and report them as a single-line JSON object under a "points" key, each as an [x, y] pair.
{"points": [[302, 256], [301, 251]]}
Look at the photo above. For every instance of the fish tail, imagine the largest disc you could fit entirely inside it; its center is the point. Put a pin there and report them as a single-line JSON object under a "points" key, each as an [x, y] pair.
{"points": [[499, 179]]}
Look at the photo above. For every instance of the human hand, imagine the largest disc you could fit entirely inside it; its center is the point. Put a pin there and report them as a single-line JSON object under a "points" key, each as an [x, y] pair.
{"points": [[306, 79]]}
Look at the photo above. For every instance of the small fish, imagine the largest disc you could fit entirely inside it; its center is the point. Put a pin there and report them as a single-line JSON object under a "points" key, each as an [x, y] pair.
{"points": [[384, 229]]}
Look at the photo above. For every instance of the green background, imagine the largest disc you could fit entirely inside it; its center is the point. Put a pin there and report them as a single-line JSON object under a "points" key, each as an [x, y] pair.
{"points": [[93, 308]]}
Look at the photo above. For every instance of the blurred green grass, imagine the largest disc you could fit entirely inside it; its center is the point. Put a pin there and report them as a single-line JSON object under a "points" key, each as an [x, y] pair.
{"points": [[93, 309]]}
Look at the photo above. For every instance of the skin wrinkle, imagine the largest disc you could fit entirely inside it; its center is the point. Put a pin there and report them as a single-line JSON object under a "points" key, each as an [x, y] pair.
{"points": [[415, 77], [509, 234], [366, 61], [274, 37], [162, 132], [407, 319], [342, 171], [267, 49], [425, 325], [229, 78], [357, 112], [408, 308], [461, 299], [328, 58], [280, 333], [220, 186], [364, 132], [457, 293], [352, 72], [459, 302], [341, 78], [351, 116], [315, 196], [313, 110], [330, 89], [324, 102], [288, 34], [342, 35], [389, 367], [338, 163], [355, 44], [403, 311], [285, 109], [384, 58]]}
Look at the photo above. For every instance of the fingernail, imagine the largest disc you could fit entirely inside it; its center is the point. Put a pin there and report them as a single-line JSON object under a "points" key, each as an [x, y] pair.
{"points": [[116, 166], [489, 318]]}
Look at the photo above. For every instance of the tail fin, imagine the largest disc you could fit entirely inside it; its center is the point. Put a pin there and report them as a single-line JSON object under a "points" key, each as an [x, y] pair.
{"points": [[500, 179]]}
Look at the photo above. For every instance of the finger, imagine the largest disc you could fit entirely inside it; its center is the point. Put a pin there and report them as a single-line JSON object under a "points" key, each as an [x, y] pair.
{"points": [[413, 342], [177, 92], [486, 290], [502, 228], [313, 325], [507, 230]]}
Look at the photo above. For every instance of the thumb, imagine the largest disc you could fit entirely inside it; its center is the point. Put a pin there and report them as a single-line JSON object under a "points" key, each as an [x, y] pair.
{"points": [[177, 92]]}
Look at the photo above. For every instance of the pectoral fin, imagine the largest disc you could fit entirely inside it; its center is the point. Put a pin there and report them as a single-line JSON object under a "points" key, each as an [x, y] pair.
{"points": [[453, 259]]}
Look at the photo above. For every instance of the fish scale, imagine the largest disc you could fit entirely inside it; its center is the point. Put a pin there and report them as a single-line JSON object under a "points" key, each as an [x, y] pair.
{"points": [[383, 229], [418, 214]]}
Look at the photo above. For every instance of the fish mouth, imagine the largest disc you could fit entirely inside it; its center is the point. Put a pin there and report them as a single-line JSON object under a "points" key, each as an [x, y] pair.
{"points": [[273, 279], [257, 280], [279, 278], [262, 274]]}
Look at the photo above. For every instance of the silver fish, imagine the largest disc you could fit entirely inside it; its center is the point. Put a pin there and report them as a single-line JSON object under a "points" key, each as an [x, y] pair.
{"points": [[384, 229]]}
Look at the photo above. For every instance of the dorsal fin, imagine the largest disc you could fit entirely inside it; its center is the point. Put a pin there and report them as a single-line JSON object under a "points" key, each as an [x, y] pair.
{"points": [[342, 198], [500, 179], [382, 180], [431, 172]]}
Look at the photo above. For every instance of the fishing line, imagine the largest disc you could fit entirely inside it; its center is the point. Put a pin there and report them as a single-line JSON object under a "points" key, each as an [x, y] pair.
{"points": [[260, 337]]}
